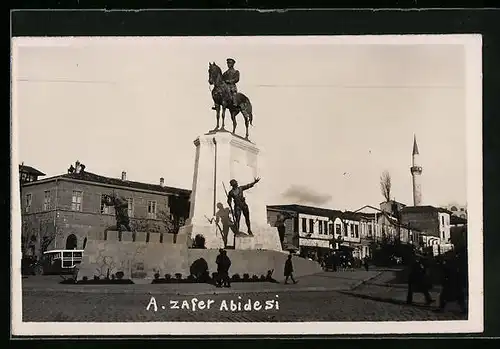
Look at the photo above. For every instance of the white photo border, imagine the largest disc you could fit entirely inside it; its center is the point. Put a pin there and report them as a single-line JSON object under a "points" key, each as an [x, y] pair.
{"points": [[474, 324]]}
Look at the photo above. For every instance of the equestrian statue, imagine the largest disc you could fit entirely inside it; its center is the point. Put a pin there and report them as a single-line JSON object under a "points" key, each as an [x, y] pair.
{"points": [[226, 96]]}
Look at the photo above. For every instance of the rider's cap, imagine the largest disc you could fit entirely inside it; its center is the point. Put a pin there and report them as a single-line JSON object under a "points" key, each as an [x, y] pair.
{"points": [[232, 181], [230, 60]]}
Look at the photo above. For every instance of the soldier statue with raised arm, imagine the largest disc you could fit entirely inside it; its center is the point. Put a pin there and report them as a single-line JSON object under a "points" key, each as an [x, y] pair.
{"points": [[240, 205]]}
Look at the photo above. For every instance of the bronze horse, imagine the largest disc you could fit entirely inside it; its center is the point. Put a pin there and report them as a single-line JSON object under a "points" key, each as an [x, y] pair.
{"points": [[222, 98]]}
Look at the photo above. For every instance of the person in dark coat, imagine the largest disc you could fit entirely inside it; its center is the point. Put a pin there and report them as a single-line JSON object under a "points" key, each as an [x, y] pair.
{"points": [[225, 265], [453, 285], [418, 282], [289, 269], [365, 262], [218, 261]]}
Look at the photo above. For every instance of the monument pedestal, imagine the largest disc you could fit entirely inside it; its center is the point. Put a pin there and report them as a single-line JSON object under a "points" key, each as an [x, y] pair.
{"points": [[220, 157]]}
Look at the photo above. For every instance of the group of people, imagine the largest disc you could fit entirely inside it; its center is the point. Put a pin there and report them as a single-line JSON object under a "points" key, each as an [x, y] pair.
{"points": [[342, 261], [453, 281]]}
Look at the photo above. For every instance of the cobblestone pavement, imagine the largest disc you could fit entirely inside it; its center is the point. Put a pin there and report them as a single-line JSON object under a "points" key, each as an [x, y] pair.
{"points": [[326, 281], [373, 301], [293, 306]]}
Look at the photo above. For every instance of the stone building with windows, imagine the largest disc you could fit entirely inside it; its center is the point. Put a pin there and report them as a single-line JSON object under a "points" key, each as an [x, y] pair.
{"points": [[311, 229], [28, 174], [434, 222], [58, 212], [321, 230]]}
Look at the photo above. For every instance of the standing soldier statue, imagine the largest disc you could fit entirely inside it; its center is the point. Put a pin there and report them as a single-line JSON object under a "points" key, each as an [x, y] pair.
{"points": [[231, 77], [280, 224], [240, 205], [121, 211]]}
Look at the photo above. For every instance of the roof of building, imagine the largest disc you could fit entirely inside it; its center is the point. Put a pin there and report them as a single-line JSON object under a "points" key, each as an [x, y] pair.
{"points": [[395, 223], [30, 170], [394, 202], [316, 211], [95, 178], [323, 212], [457, 220], [428, 208]]}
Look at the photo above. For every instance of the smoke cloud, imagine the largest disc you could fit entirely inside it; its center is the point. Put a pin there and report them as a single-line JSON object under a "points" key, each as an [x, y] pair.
{"points": [[302, 195]]}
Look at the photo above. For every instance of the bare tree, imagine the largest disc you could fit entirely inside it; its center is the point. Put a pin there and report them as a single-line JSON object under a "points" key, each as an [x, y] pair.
{"points": [[38, 235], [385, 185]]}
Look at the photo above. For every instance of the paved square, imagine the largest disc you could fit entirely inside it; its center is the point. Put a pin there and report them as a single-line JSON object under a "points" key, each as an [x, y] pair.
{"points": [[347, 296]]}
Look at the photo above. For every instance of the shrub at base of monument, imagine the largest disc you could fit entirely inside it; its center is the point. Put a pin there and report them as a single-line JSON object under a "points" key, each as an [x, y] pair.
{"points": [[113, 279], [207, 279], [254, 278], [199, 241]]}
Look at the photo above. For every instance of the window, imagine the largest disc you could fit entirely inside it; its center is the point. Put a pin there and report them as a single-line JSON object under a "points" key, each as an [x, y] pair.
{"points": [[304, 225], [311, 226], [351, 226], [320, 227], [453, 208], [130, 208], [370, 230], [152, 209], [325, 227], [330, 229], [29, 199], [338, 229], [442, 220], [76, 201], [356, 230], [346, 228], [46, 200], [104, 208]]}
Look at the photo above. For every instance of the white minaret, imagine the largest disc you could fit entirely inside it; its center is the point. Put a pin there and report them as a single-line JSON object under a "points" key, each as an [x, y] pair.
{"points": [[416, 173]]}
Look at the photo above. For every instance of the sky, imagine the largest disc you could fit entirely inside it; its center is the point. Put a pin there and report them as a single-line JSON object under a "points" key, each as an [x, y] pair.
{"points": [[329, 117]]}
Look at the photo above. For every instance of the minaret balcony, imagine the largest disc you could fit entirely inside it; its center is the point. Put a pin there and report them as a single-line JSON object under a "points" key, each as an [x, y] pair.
{"points": [[416, 169]]}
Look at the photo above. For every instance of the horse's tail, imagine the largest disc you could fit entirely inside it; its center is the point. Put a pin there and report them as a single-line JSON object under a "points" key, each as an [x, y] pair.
{"points": [[245, 107], [250, 114], [248, 110]]}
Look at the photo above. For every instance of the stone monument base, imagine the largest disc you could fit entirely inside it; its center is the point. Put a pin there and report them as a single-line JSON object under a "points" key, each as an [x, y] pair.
{"points": [[220, 157], [264, 238], [141, 260]]}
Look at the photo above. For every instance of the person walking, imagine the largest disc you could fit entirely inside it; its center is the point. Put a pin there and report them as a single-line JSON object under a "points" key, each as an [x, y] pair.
{"points": [[453, 287], [289, 270], [365, 262], [418, 282]]}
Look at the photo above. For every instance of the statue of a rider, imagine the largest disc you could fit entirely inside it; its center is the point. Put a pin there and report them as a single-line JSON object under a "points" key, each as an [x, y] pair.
{"points": [[231, 77]]}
